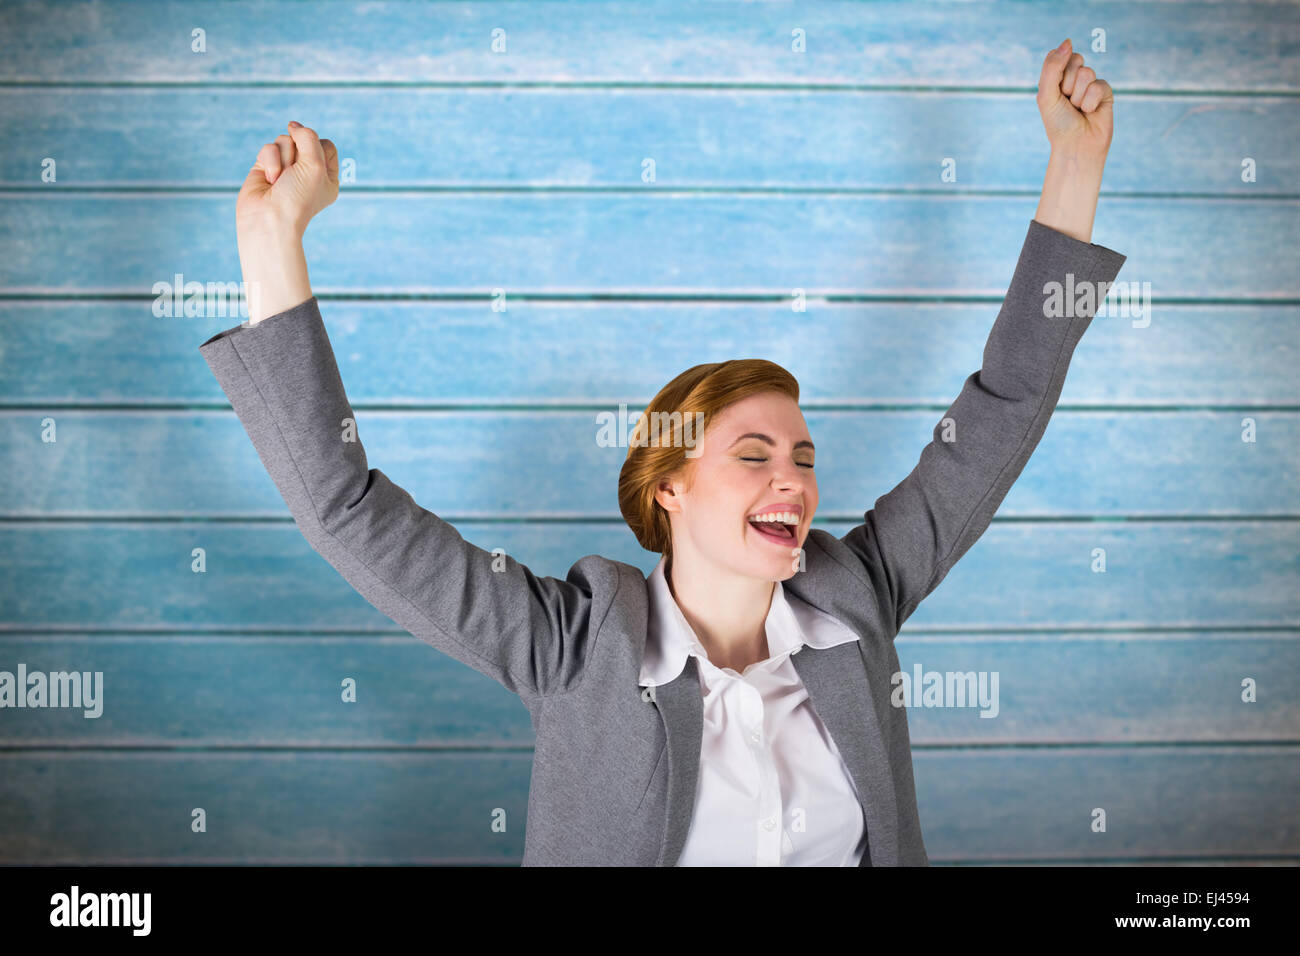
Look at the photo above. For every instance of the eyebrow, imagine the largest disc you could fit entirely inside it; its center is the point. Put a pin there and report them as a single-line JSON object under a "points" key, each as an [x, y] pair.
{"points": [[765, 438]]}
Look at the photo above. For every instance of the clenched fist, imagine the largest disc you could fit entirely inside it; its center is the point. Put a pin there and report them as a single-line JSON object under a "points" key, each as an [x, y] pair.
{"points": [[293, 179], [1076, 106]]}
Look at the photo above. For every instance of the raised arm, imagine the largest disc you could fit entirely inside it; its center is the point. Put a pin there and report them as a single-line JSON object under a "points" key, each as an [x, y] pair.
{"points": [[529, 633], [914, 534]]}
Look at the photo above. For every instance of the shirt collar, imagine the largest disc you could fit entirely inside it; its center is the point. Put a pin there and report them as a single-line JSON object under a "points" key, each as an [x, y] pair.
{"points": [[670, 640]]}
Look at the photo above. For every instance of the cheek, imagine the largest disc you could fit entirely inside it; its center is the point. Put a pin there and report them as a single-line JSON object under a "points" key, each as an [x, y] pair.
{"points": [[721, 505]]}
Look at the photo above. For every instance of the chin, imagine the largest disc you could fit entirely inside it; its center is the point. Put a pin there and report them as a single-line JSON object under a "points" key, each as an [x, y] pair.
{"points": [[779, 568]]}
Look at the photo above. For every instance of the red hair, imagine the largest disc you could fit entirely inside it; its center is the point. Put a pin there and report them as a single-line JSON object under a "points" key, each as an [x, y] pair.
{"points": [[702, 390]]}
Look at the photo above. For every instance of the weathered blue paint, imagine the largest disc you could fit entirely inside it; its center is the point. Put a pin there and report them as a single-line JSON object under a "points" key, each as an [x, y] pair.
{"points": [[774, 172]]}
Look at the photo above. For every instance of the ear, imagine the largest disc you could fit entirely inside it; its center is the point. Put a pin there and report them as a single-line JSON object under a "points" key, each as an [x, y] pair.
{"points": [[666, 495]]}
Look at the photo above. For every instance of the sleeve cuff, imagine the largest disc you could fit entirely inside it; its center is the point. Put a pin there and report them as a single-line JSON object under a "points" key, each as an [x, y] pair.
{"points": [[1103, 263], [297, 313]]}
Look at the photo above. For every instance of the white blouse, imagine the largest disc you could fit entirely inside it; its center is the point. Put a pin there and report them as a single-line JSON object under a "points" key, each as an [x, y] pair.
{"points": [[773, 789]]}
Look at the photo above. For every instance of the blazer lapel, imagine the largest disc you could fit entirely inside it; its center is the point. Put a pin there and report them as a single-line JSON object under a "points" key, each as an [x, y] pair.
{"points": [[837, 684], [840, 690], [682, 708]]}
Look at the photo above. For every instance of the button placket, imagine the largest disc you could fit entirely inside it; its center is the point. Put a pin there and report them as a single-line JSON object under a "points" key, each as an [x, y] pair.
{"points": [[768, 829]]}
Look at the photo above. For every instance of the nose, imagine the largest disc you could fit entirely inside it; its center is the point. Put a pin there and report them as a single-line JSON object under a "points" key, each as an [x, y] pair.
{"points": [[789, 478]]}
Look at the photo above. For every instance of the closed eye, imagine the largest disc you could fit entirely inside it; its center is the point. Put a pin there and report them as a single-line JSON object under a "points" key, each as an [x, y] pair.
{"points": [[800, 464]]}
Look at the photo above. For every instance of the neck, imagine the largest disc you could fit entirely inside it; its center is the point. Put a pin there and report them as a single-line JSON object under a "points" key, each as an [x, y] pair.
{"points": [[727, 611]]}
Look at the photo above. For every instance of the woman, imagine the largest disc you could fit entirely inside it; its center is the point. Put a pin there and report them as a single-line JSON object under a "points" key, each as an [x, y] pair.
{"points": [[674, 715]]}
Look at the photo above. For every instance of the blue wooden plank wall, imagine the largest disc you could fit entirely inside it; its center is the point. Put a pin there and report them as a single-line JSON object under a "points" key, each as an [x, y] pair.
{"points": [[524, 169]]}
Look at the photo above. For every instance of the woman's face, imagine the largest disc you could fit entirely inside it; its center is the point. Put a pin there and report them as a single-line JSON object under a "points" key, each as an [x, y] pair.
{"points": [[755, 457]]}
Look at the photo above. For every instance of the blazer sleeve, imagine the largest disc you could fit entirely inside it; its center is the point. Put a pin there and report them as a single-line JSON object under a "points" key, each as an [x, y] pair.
{"points": [[914, 534], [528, 633]]}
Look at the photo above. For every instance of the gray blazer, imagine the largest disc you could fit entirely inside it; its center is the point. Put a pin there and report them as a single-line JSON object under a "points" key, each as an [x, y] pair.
{"points": [[615, 773]]}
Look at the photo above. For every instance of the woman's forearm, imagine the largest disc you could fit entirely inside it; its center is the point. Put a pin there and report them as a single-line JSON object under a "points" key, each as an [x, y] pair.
{"points": [[275, 273], [1070, 190]]}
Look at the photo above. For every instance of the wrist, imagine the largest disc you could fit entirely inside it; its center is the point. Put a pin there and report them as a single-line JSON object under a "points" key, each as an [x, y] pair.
{"points": [[275, 277], [1077, 162], [1071, 186], [268, 233]]}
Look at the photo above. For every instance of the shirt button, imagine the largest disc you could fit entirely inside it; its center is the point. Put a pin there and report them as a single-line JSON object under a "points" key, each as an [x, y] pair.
{"points": [[756, 736], [769, 824]]}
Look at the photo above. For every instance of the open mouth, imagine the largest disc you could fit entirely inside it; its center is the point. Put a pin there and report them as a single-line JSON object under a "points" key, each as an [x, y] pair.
{"points": [[775, 531]]}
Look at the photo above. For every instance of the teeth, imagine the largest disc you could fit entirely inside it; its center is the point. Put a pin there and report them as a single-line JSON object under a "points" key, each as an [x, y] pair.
{"points": [[782, 517]]}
